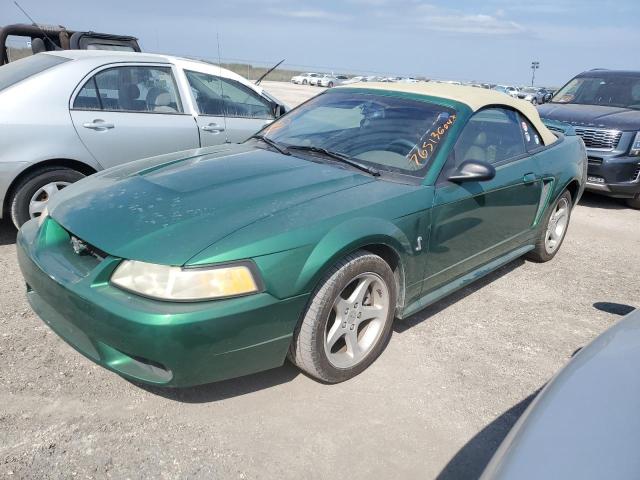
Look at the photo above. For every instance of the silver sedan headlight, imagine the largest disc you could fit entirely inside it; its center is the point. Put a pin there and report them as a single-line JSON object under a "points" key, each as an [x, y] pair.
{"points": [[185, 284]]}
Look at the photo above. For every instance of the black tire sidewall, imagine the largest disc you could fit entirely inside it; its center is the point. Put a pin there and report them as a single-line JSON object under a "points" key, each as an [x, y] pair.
{"points": [[25, 190], [372, 264]]}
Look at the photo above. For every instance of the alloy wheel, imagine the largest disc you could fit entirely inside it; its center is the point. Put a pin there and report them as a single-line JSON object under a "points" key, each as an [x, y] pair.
{"points": [[356, 320], [43, 195], [557, 226]]}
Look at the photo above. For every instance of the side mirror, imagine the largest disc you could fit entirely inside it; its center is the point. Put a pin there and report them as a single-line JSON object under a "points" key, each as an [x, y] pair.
{"points": [[473, 170], [277, 109]]}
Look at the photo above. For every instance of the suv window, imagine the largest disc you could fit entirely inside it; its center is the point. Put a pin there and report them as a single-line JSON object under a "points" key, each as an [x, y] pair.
{"points": [[20, 70], [600, 89], [130, 89], [218, 96], [492, 135]]}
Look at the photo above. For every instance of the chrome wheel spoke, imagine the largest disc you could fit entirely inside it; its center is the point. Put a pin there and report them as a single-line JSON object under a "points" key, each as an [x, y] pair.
{"points": [[359, 293], [335, 334], [36, 207]]}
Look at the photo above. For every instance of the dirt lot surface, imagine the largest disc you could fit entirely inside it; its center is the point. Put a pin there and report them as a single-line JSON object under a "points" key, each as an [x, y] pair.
{"points": [[439, 400]]}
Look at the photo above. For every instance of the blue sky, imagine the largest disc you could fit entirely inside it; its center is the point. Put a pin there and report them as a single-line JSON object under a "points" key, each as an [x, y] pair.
{"points": [[492, 40]]}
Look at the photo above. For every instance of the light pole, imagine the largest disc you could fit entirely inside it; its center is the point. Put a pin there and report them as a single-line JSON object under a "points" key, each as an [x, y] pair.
{"points": [[534, 67]]}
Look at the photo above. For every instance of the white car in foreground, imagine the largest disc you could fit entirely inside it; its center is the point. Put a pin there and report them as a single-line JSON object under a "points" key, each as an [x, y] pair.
{"points": [[68, 114]]}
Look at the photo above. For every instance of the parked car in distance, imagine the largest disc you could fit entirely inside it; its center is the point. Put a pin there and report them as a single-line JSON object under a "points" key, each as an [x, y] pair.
{"points": [[315, 81], [356, 79], [331, 81], [604, 108], [584, 423], [68, 114], [304, 78], [534, 95], [359, 206], [509, 90]]}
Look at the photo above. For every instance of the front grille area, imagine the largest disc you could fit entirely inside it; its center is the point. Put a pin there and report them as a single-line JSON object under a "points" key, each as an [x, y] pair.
{"points": [[599, 138], [594, 161]]}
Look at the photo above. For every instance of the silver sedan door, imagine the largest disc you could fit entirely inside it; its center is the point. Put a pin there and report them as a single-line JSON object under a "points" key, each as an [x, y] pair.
{"points": [[228, 111], [126, 112]]}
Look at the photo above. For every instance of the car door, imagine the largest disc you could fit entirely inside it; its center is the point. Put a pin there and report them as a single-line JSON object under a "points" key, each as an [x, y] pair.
{"points": [[228, 111], [475, 222], [128, 111]]}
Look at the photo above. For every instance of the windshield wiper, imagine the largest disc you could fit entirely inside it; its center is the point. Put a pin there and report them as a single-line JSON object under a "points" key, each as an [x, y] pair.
{"points": [[341, 157], [272, 143]]}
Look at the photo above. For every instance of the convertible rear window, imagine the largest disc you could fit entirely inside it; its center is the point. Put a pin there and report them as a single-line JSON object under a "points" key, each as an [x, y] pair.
{"points": [[24, 68], [387, 132]]}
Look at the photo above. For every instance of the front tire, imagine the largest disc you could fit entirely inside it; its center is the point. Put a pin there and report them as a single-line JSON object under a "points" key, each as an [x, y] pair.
{"points": [[348, 321], [534, 101], [552, 230], [304, 82], [330, 84], [33, 193], [634, 202]]}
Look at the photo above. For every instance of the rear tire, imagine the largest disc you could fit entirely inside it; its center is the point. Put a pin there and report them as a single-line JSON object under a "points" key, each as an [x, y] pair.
{"points": [[534, 101], [330, 84], [31, 190], [552, 229], [304, 82], [634, 202], [348, 321]]}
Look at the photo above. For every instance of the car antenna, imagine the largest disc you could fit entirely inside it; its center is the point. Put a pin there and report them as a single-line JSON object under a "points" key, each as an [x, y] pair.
{"points": [[262, 77], [33, 22], [224, 107]]}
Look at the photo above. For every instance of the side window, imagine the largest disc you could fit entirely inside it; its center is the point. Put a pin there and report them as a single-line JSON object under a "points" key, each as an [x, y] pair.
{"points": [[491, 135], [532, 138], [130, 89], [218, 96]]}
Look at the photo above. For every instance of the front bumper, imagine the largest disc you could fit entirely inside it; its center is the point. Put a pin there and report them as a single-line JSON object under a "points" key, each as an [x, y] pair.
{"points": [[160, 343], [613, 175]]}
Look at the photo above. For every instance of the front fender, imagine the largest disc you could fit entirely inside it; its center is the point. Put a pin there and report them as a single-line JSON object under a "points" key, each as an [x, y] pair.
{"points": [[348, 237]]}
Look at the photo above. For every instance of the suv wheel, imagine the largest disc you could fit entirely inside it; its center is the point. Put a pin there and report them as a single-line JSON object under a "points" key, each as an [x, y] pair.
{"points": [[33, 193]]}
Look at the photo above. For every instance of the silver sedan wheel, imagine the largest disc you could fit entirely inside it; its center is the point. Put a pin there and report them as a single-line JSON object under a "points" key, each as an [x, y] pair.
{"points": [[557, 226], [356, 320], [41, 198]]}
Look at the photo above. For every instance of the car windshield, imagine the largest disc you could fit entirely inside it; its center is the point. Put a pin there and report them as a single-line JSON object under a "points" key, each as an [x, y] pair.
{"points": [[388, 133], [529, 90], [613, 91]]}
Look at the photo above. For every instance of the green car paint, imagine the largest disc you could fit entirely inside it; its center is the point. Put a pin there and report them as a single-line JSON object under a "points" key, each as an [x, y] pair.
{"points": [[293, 219]]}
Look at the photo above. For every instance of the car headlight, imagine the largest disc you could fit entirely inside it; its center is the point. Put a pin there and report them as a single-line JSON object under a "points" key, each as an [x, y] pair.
{"points": [[43, 216], [185, 284], [635, 146]]}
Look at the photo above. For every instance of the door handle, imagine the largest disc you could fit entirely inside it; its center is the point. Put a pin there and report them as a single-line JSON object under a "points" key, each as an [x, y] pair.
{"points": [[529, 178], [213, 128], [98, 125]]}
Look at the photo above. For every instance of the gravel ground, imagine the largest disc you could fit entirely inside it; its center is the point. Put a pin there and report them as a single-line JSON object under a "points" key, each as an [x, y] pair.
{"points": [[451, 383]]}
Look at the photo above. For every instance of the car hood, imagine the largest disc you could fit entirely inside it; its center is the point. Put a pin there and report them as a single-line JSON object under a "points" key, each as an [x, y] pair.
{"points": [[167, 209], [585, 422], [592, 115]]}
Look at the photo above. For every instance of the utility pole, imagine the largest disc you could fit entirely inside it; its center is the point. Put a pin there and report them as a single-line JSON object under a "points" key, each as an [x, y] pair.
{"points": [[534, 67]]}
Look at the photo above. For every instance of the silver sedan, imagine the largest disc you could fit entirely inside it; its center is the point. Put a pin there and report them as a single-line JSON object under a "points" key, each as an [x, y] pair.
{"points": [[68, 114]]}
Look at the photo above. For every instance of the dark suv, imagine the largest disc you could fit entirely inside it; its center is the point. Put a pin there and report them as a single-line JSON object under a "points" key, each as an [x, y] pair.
{"points": [[604, 108]]}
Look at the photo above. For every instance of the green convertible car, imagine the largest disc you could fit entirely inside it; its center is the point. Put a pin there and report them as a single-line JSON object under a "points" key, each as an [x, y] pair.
{"points": [[362, 205]]}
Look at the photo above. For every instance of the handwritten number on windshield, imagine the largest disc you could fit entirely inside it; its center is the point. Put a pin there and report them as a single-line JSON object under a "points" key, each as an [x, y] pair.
{"points": [[420, 154]]}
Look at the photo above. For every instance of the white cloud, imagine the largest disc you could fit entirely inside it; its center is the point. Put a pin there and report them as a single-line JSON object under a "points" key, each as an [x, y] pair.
{"points": [[310, 14], [477, 24]]}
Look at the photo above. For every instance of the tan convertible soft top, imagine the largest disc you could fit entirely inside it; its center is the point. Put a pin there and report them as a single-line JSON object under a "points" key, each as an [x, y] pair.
{"points": [[476, 98]]}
